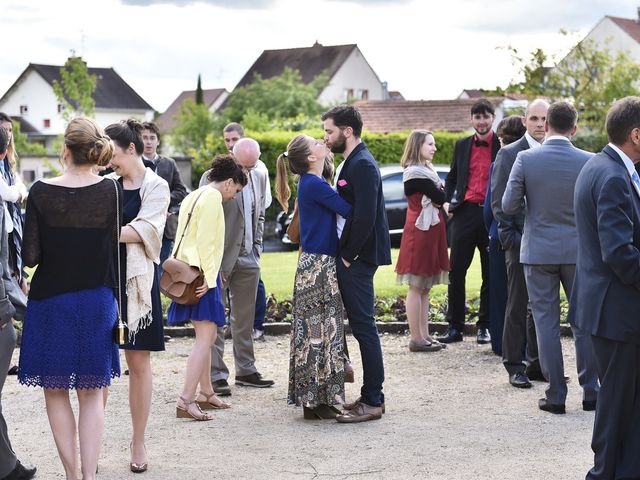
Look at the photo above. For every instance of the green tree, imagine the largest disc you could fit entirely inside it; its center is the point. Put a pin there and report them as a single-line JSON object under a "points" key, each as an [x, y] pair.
{"points": [[591, 76], [21, 142], [199, 93], [193, 123], [282, 97], [75, 90]]}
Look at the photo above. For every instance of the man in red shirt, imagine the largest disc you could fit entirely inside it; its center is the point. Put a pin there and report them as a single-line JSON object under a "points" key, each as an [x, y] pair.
{"points": [[465, 191]]}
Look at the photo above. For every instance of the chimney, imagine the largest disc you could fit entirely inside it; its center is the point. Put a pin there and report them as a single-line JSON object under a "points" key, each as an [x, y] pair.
{"points": [[638, 20]]}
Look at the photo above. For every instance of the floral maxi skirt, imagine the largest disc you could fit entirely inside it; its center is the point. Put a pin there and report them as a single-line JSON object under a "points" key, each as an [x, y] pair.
{"points": [[316, 361]]}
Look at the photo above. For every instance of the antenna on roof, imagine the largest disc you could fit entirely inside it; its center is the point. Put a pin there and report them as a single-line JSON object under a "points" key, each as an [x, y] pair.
{"points": [[317, 44], [82, 37]]}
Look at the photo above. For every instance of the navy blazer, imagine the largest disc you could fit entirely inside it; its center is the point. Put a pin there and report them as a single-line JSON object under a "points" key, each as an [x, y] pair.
{"points": [[605, 299], [366, 232], [458, 176]]}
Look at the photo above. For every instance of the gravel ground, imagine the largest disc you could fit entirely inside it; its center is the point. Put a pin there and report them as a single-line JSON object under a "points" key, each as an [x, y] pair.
{"points": [[450, 415]]}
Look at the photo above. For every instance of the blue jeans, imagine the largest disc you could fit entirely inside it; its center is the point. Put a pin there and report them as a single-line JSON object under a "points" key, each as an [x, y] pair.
{"points": [[356, 288]]}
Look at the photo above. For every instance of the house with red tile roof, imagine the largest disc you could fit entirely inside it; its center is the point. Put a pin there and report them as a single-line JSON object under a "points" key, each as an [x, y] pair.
{"points": [[435, 115], [618, 35], [213, 98]]}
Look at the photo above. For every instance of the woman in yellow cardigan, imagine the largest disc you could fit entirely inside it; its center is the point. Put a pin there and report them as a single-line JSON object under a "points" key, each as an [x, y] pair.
{"points": [[201, 244]]}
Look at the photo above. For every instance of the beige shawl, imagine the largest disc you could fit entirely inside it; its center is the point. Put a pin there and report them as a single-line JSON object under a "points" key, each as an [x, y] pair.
{"points": [[429, 215], [149, 224]]}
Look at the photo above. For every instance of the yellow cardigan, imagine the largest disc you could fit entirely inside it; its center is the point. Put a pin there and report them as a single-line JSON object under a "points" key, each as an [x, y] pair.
{"points": [[203, 243]]}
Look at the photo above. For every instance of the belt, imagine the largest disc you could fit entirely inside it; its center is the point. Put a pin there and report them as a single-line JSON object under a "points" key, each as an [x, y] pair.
{"points": [[474, 203]]}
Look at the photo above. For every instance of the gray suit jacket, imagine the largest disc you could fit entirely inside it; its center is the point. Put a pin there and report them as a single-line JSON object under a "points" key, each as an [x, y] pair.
{"points": [[509, 226], [605, 299], [546, 178], [234, 222]]}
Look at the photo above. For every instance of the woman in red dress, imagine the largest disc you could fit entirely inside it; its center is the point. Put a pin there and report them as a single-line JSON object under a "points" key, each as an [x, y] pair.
{"points": [[423, 260]]}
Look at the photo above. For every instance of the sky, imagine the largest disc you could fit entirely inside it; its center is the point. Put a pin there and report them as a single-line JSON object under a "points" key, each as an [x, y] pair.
{"points": [[424, 49]]}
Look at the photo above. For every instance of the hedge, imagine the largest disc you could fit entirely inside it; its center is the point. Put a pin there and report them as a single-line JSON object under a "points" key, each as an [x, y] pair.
{"points": [[386, 148]]}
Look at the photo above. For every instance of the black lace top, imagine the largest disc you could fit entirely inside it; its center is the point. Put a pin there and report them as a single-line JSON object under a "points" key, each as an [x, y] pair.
{"points": [[70, 234]]}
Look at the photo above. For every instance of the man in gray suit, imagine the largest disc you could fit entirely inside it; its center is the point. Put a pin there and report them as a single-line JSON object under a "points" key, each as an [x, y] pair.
{"points": [[12, 305], [521, 362], [240, 270], [546, 178], [606, 292]]}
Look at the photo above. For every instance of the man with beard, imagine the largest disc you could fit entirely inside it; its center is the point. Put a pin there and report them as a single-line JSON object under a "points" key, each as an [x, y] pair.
{"points": [[467, 180], [364, 245]]}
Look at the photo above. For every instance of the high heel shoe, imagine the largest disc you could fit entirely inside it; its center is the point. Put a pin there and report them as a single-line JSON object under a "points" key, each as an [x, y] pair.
{"points": [[137, 467], [212, 402], [185, 412]]}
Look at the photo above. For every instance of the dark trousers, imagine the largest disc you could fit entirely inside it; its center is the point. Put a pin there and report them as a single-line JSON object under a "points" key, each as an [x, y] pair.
{"points": [[497, 294], [261, 306], [7, 456], [519, 341], [165, 251], [616, 430], [466, 233], [356, 288]]}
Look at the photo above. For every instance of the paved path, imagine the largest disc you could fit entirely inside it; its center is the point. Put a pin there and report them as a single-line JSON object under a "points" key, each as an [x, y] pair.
{"points": [[450, 415]]}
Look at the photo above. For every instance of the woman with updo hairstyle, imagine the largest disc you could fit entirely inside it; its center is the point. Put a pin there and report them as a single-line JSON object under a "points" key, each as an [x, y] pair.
{"points": [[508, 131], [71, 233], [146, 200], [316, 359], [200, 243]]}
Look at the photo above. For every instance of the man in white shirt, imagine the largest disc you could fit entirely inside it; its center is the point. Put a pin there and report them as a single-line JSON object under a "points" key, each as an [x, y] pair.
{"points": [[545, 177], [520, 362]]}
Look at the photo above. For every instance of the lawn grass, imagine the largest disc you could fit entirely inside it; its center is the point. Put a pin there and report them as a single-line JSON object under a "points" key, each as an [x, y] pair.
{"points": [[278, 270]]}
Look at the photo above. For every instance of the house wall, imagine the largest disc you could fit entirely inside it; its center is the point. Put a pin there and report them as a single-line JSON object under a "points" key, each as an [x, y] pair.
{"points": [[34, 92], [619, 40], [355, 74], [106, 117]]}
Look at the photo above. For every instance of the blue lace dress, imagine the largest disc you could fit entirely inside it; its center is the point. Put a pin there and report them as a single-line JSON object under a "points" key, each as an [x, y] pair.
{"points": [[67, 335]]}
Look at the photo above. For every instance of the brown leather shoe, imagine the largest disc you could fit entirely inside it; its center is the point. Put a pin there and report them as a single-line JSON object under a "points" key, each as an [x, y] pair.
{"points": [[352, 405], [361, 413]]}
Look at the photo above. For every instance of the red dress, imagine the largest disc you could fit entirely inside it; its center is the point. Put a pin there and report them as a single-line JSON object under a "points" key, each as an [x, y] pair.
{"points": [[423, 253]]}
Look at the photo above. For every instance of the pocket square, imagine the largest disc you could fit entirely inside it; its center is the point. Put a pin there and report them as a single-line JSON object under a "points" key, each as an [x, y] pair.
{"points": [[342, 183]]}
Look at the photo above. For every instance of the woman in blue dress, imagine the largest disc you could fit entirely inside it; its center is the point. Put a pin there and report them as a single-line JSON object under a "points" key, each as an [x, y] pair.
{"points": [[71, 235], [146, 200]]}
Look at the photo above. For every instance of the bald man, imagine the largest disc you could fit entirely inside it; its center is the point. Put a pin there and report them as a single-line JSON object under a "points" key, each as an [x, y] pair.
{"points": [[240, 270], [522, 363]]}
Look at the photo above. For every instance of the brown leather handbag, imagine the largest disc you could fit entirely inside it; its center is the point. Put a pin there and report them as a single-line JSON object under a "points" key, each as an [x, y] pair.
{"points": [[179, 280]]}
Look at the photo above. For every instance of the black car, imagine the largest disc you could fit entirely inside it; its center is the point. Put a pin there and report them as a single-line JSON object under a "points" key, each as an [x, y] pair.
{"points": [[394, 200]]}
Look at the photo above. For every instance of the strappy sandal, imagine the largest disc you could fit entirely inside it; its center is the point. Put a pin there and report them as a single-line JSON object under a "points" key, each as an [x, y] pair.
{"points": [[212, 402], [186, 412]]}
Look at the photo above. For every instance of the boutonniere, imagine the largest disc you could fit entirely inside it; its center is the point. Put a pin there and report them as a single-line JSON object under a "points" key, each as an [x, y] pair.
{"points": [[342, 183]]}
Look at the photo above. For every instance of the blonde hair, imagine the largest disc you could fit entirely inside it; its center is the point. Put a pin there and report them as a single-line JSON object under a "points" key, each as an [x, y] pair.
{"points": [[88, 143], [412, 147]]}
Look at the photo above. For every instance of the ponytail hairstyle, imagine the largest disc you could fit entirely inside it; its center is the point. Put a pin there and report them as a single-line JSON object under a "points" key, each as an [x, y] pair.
{"points": [[87, 142], [125, 133], [297, 156], [12, 155]]}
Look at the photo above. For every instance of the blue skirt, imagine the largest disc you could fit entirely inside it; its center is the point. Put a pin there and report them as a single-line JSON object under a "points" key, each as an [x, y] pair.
{"points": [[67, 341], [210, 308]]}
